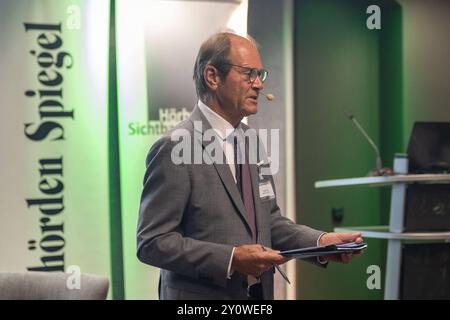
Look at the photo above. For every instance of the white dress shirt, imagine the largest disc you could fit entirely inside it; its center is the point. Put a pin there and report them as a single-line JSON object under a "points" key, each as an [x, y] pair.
{"points": [[224, 130]]}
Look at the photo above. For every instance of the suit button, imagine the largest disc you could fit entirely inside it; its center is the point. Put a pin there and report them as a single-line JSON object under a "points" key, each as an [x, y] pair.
{"points": [[244, 284]]}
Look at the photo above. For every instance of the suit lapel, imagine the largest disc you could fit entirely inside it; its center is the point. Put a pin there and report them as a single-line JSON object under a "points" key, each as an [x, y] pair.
{"points": [[223, 170], [228, 181]]}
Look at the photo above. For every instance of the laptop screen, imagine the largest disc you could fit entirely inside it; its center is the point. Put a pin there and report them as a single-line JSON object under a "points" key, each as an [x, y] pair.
{"points": [[429, 147]]}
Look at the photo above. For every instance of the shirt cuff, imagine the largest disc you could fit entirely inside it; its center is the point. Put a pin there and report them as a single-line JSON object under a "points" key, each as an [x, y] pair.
{"points": [[318, 239], [229, 271], [321, 260]]}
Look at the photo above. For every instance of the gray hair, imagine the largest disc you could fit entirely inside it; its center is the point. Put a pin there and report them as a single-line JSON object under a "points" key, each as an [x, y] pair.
{"points": [[214, 51]]}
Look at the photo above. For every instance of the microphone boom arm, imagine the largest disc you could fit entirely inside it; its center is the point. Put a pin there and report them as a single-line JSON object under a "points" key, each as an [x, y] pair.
{"points": [[379, 165]]}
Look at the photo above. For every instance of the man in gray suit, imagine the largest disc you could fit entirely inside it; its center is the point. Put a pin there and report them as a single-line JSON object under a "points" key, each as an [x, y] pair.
{"points": [[214, 227]]}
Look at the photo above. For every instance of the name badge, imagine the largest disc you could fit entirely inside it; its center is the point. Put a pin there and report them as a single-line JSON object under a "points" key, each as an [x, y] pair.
{"points": [[266, 190]]}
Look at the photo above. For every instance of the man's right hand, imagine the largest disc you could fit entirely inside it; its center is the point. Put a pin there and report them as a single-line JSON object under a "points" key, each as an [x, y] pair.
{"points": [[252, 260]]}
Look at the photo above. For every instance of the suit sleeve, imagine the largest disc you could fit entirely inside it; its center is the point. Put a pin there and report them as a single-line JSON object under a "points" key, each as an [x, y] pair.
{"points": [[287, 235], [160, 239]]}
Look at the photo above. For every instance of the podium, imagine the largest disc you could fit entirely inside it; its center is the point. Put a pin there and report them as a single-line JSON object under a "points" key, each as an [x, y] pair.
{"points": [[394, 232]]}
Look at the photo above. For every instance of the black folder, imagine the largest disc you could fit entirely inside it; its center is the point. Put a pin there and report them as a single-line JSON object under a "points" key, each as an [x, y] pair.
{"points": [[309, 252]]}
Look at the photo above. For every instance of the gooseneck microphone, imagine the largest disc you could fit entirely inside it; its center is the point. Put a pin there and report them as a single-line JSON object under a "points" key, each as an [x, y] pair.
{"points": [[379, 170]]}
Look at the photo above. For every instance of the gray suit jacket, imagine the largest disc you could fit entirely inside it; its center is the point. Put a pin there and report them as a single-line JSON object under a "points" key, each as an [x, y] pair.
{"points": [[192, 215]]}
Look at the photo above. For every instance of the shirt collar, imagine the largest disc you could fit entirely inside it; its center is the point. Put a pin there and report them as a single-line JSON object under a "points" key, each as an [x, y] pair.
{"points": [[222, 127]]}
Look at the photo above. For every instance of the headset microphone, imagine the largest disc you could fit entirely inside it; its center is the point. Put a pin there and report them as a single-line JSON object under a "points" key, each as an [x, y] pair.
{"points": [[268, 96]]}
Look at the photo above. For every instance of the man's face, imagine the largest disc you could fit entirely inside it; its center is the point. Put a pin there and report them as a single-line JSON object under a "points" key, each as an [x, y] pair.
{"points": [[236, 94]]}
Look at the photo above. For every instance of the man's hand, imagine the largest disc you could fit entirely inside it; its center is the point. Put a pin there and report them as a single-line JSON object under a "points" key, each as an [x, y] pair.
{"points": [[339, 238], [252, 260]]}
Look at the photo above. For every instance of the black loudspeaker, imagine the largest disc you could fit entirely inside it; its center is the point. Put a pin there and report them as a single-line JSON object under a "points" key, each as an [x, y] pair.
{"points": [[425, 271], [427, 207]]}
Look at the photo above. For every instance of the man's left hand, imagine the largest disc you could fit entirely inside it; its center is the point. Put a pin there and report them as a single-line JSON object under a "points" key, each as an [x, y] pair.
{"points": [[339, 238]]}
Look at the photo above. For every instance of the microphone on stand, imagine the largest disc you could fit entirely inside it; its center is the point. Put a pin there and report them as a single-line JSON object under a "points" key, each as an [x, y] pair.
{"points": [[379, 170]]}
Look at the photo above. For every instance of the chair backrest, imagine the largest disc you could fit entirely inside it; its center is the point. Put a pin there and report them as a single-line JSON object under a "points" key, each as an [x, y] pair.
{"points": [[51, 286]]}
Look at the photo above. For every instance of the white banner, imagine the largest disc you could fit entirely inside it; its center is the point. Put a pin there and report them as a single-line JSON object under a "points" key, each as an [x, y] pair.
{"points": [[53, 136]]}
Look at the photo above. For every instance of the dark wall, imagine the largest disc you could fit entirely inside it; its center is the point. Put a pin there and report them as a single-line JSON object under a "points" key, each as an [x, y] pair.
{"points": [[337, 69]]}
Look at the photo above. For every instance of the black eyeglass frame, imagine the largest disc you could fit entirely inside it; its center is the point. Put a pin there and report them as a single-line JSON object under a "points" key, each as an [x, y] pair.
{"points": [[253, 72]]}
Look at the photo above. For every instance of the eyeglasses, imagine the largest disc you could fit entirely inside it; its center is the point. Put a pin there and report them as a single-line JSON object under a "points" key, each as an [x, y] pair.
{"points": [[253, 73]]}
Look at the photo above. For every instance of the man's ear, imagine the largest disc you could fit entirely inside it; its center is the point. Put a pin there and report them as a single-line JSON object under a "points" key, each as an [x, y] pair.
{"points": [[211, 76]]}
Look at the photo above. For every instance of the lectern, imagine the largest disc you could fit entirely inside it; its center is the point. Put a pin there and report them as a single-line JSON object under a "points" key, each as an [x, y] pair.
{"points": [[409, 253]]}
